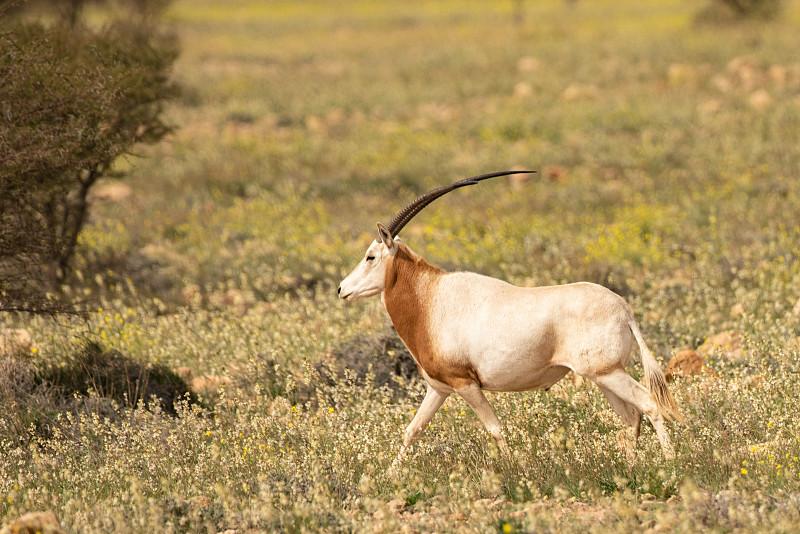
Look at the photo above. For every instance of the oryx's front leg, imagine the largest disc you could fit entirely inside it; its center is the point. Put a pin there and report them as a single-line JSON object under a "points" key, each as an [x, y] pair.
{"points": [[432, 402], [480, 405]]}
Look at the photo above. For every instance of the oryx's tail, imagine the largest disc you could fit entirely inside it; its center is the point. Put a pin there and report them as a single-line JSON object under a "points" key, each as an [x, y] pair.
{"points": [[654, 378]]}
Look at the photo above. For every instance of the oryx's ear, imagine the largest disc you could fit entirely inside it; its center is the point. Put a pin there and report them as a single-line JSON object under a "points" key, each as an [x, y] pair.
{"points": [[386, 236]]}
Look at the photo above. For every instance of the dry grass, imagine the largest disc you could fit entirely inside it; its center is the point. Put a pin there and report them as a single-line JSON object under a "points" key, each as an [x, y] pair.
{"points": [[671, 152]]}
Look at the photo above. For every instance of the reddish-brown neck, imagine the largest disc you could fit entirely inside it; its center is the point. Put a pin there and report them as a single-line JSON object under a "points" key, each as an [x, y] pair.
{"points": [[410, 282], [409, 296]]}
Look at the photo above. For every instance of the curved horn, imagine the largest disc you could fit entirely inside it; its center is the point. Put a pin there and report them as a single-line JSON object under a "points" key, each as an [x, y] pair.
{"points": [[406, 214]]}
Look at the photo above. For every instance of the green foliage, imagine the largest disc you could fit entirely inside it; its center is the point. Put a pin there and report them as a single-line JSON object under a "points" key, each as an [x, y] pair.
{"points": [[73, 101]]}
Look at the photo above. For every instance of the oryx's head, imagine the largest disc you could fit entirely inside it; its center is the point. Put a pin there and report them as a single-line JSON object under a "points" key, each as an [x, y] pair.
{"points": [[368, 278]]}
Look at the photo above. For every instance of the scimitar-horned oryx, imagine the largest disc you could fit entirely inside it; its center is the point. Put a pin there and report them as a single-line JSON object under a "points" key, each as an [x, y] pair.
{"points": [[469, 333]]}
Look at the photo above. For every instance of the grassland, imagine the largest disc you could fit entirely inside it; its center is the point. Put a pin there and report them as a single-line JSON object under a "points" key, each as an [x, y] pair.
{"points": [[669, 158]]}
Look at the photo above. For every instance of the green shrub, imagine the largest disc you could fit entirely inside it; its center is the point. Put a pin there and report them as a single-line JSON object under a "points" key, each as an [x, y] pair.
{"points": [[73, 100]]}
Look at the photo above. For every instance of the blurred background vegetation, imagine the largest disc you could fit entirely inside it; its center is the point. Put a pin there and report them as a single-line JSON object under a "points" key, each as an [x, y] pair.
{"points": [[201, 233], [74, 99]]}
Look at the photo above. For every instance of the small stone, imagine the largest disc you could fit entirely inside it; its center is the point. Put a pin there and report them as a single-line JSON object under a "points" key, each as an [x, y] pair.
{"points": [[580, 92], [192, 296], [722, 83], [680, 73], [200, 501], [516, 181], [746, 70], [778, 74], [709, 107], [184, 372], [555, 173], [523, 89], [760, 99], [41, 522], [674, 499], [796, 309], [397, 505], [208, 382], [113, 192], [482, 503], [726, 344], [686, 363], [16, 341], [528, 64]]}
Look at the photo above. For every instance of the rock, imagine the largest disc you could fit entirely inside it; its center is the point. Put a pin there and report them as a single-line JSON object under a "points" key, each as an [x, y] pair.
{"points": [[796, 309], [200, 501], [523, 89], [208, 382], [110, 192], [397, 505], [555, 173], [159, 269], [281, 408], [738, 64], [315, 124], [778, 74], [239, 301], [680, 73], [482, 503], [722, 83], [752, 382], [185, 372], [234, 300], [746, 70], [192, 296], [580, 92], [709, 107], [34, 522], [760, 99], [516, 181], [687, 363], [724, 501], [726, 344], [528, 64], [16, 341]]}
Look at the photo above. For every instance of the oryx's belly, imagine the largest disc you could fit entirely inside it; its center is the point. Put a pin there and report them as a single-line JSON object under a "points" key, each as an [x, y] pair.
{"points": [[521, 378]]}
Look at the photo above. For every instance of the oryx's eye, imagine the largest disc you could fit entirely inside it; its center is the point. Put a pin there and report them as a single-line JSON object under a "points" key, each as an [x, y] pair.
{"points": [[370, 258]]}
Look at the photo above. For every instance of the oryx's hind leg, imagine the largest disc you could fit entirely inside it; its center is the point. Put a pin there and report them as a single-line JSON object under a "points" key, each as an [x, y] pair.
{"points": [[430, 404], [480, 405], [620, 383], [631, 416]]}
